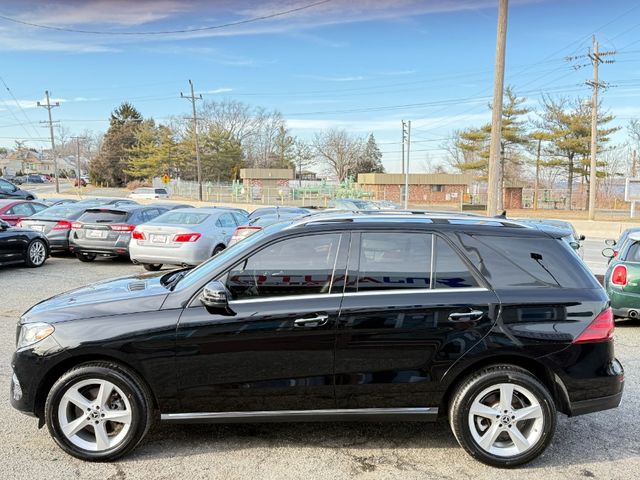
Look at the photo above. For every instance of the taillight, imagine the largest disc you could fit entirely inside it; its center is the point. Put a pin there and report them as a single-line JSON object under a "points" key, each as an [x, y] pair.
{"points": [[76, 225], [243, 232], [122, 227], [619, 276], [615, 253], [600, 330], [138, 235], [186, 237], [62, 225]]}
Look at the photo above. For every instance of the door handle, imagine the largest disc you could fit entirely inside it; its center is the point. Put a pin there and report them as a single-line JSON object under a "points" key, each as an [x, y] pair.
{"points": [[466, 316], [318, 321]]}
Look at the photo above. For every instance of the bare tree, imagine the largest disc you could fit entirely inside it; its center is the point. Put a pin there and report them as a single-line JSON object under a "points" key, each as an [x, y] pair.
{"points": [[304, 156], [339, 152]]}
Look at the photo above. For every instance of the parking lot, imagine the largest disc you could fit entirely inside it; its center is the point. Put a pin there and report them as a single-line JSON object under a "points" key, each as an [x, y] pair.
{"points": [[602, 445]]}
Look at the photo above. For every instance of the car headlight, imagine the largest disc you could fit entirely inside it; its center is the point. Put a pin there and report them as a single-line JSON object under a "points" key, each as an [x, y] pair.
{"points": [[32, 333]]}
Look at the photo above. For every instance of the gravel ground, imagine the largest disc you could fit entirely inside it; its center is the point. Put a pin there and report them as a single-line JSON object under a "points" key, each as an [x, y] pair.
{"points": [[603, 445]]}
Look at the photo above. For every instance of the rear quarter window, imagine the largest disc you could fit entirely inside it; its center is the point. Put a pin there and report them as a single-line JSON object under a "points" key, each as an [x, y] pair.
{"points": [[518, 261]]}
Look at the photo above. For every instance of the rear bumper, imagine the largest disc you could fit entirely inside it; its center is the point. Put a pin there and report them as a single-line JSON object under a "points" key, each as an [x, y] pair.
{"points": [[120, 247], [623, 302], [595, 404], [187, 254]]}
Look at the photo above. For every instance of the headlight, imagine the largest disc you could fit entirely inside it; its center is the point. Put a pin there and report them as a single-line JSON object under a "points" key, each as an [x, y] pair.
{"points": [[32, 333]]}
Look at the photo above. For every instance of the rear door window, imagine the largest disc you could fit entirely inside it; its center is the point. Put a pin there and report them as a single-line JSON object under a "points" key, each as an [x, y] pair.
{"points": [[226, 221], [450, 270], [394, 261]]}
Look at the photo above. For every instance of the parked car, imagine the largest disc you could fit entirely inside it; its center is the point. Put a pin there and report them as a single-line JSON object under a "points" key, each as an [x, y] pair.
{"points": [[34, 178], [149, 193], [258, 223], [387, 205], [9, 190], [57, 201], [185, 237], [172, 205], [352, 204], [616, 245], [622, 278], [490, 324], [277, 211], [13, 179], [55, 222], [106, 230], [96, 201], [565, 229], [12, 211], [80, 182], [20, 245]]}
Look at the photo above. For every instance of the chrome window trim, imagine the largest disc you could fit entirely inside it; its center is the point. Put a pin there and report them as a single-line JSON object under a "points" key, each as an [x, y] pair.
{"points": [[298, 413], [399, 291]]}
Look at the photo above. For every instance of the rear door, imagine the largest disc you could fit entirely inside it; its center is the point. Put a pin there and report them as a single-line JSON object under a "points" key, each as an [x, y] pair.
{"points": [[227, 225], [412, 307]]}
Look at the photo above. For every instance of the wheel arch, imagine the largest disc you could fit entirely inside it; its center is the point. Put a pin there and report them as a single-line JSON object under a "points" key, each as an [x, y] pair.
{"points": [[70, 362], [541, 372]]}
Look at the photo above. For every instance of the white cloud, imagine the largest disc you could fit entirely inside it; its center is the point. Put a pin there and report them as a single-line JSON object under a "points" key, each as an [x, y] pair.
{"points": [[214, 91]]}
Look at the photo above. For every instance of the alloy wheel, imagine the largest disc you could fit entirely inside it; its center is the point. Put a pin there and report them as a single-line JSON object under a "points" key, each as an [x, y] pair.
{"points": [[95, 415], [506, 420], [37, 253]]}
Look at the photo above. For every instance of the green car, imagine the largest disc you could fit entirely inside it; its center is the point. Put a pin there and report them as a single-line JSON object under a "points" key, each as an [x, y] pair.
{"points": [[622, 279]]}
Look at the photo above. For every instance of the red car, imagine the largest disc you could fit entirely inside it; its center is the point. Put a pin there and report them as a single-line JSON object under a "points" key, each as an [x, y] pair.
{"points": [[12, 211]]}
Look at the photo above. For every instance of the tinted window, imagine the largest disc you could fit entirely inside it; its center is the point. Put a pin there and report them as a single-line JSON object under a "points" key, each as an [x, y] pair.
{"points": [[103, 216], [241, 218], [160, 191], [295, 266], [514, 261], [21, 209], [450, 269], [392, 261]]}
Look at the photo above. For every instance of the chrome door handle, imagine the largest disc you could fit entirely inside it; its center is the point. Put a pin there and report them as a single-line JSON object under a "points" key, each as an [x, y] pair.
{"points": [[466, 316], [318, 321]]}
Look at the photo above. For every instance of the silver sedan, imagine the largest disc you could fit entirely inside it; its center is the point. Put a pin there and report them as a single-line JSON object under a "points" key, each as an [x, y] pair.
{"points": [[185, 236]]}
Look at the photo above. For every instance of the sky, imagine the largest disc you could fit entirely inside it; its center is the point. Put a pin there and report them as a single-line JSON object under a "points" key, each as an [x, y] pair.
{"points": [[361, 65]]}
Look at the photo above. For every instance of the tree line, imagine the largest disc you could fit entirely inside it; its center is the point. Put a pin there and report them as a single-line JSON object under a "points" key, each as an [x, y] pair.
{"points": [[231, 135], [554, 142]]}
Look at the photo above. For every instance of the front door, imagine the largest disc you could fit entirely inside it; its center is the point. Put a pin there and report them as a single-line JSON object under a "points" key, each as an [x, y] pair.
{"points": [[412, 307], [275, 351]]}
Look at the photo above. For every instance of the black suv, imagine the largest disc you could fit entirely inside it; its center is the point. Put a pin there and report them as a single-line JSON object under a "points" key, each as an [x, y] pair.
{"points": [[485, 322], [9, 190]]}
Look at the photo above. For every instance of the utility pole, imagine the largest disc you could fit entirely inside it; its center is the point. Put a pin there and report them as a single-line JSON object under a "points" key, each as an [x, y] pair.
{"points": [[493, 182], [536, 186], [596, 59], [78, 170], [403, 142], [406, 173], [49, 106], [193, 99], [634, 165]]}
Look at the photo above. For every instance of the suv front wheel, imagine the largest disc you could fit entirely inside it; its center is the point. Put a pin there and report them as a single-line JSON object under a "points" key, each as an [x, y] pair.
{"points": [[98, 411], [503, 416]]}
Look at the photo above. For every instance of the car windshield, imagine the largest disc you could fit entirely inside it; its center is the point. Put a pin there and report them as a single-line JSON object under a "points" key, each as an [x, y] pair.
{"points": [[103, 216], [180, 218], [59, 211]]}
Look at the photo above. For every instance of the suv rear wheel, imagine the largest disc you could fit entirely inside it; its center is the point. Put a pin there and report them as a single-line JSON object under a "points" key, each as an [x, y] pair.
{"points": [[503, 416], [98, 411], [86, 257]]}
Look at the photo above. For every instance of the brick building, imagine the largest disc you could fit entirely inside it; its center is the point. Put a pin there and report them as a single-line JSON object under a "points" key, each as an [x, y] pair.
{"points": [[424, 188]]}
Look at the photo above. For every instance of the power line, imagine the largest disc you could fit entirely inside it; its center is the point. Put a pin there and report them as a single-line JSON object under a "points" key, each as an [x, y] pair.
{"points": [[169, 32], [50, 106]]}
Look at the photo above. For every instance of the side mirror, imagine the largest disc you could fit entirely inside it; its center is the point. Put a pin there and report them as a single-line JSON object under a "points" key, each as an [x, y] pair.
{"points": [[611, 242], [608, 252], [215, 297], [582, 238]]}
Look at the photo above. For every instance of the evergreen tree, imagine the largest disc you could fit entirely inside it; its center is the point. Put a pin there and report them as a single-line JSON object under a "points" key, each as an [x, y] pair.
{"points": [[371, 159]]}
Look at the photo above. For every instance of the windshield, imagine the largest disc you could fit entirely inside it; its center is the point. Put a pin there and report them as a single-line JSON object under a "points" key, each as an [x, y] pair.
{"points": [[180, 218], [60, 211]]}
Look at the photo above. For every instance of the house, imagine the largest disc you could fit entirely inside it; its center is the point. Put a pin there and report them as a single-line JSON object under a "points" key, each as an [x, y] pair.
{"points": [[25, 161]]}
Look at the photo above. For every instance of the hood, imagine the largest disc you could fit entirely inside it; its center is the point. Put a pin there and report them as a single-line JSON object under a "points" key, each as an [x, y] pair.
{"points": [[131, 294]]}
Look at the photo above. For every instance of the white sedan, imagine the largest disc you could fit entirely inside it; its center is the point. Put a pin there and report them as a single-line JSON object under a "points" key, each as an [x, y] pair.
{"points": [[149, 193]]}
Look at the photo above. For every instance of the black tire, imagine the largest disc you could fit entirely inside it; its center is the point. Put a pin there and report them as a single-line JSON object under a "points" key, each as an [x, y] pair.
{"points": [[36, 246], [136, 393], [30, 198], [473, 386], [152, 267], [86, 257], [217, 250]]}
